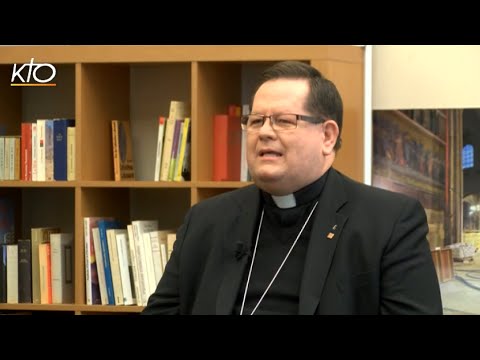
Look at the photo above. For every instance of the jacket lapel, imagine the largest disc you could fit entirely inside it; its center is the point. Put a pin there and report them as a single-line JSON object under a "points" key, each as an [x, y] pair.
{"points": [[237, 239], [327, 228]]}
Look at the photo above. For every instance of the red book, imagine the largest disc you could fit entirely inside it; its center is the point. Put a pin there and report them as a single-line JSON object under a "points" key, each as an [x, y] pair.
{"points": [[26, 152], [227, 139]]}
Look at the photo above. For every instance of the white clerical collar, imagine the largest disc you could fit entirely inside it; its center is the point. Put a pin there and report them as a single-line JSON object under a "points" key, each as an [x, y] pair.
{"points": [[285, 201]]}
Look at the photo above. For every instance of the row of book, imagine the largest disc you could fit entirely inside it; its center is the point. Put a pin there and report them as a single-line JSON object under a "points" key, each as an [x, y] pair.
{"points": [[37, 270], [43, 152], [123, 265], [172, 160]]}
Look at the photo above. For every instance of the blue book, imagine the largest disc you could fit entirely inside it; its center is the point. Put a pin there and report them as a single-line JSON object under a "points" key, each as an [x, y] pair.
{"points": [[103, 226], [60, 147]]}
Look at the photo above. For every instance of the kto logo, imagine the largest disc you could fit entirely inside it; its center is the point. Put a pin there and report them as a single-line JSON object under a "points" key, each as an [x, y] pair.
{"points": [[42, 74]]}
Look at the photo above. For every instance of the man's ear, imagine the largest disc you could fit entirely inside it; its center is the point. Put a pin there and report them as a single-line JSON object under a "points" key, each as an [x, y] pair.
{"points": [[330, 130]]}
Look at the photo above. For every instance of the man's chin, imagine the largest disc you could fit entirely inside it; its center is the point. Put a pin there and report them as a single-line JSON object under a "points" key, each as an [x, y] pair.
{"points": [[267, 177]]}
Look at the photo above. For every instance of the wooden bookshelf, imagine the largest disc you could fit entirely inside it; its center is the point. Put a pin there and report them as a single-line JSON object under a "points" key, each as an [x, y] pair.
{"points": [[96, 84]]}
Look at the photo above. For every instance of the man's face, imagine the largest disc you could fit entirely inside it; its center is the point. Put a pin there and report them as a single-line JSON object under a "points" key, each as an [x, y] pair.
{"points": [[282, 162]]}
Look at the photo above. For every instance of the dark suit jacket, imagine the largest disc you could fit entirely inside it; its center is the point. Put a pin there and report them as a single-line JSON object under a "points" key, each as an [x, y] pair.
{"points": [[377, 262]]}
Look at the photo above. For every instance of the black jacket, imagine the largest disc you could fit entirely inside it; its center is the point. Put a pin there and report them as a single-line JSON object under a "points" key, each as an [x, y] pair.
{"points": [[377, 262]]}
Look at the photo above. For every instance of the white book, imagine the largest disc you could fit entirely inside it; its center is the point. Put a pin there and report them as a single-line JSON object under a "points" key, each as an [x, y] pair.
{"points": [[156, 256], [133, 258], [41, 124], [126, 275], [171, 238], [162, 240], [149, 264], [139, 227], [49, 150], [100, 268], [34, 151], [158, 157], [12, 274], [164, 254], [115, 266], [61, 249]]}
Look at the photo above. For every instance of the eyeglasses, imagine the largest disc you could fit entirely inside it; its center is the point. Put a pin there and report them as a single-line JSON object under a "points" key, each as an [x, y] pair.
{"points": [[280, 122]]}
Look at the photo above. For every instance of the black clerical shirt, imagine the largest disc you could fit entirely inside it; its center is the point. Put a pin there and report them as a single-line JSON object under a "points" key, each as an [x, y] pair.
{"points": [[278, 232]]}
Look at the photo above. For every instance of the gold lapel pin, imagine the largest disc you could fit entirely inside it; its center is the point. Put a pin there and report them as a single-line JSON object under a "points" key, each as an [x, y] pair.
{"points": [[330, 235]]}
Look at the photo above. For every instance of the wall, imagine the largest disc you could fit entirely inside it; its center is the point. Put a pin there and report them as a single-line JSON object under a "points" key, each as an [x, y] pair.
{"points": [[425, 76]]}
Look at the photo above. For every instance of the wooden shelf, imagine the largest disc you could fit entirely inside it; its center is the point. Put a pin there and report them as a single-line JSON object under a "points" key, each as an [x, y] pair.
{"points": [[38, 184], [72, 308]]}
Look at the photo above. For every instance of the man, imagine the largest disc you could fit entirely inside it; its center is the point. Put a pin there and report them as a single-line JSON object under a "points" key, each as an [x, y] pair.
{"points": [[304, 239]]}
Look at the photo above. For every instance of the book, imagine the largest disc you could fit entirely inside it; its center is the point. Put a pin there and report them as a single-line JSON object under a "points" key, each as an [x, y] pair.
{"points": [[115, 264], [139, 227], [45, 263], [60, 148], [103, 225], [71, 153], [122, 151], [158, 156], [61, 247], [26, 149], [171, 238], [244, 174], [34, 152], [149, 265], [38, 236], [177, 111], [41, 127], [125, 266], [12, 273], [182, 157], [167, 149], [159, 249], [134, 261], [100, 268], [24, 271], [175, 148], [227, 139], [92, 283], [49, 140]]}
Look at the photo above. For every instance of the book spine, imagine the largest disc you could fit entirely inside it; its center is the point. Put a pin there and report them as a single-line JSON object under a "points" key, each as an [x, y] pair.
{"points": [[24, 271], [158, 157], [49, 139], [60, 148], [71, 153]]}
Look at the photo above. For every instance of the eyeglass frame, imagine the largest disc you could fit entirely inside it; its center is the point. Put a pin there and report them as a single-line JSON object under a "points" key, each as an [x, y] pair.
{"points": [[273, 120]]}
